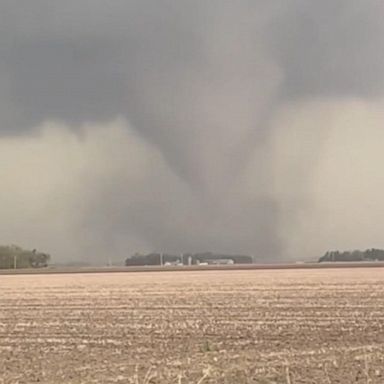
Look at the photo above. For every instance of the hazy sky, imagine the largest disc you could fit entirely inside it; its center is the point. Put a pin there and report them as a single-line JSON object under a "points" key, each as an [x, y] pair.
{"points": [[190, 125]]}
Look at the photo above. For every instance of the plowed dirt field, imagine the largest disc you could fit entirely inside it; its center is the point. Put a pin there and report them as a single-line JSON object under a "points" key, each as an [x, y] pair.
{"points": [[235, 327]]}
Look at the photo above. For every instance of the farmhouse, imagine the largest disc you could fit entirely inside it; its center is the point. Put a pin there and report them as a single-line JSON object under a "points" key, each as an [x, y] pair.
{"points": [[220, 262]]}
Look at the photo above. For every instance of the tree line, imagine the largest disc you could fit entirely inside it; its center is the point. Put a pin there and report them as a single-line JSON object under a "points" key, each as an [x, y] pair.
{"points": [[15, 257], [186, 258], [368, 255]]}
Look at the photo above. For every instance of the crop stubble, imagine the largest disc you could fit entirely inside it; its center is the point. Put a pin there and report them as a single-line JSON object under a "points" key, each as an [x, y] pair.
{"points": [[294, 326]]}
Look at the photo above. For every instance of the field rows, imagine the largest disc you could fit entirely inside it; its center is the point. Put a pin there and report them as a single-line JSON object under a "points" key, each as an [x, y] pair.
{"points": [[293, 326]]}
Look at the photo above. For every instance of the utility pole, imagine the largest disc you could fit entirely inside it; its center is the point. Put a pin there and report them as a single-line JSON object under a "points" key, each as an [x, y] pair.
{"points": [[15, 261], [161, 259]]}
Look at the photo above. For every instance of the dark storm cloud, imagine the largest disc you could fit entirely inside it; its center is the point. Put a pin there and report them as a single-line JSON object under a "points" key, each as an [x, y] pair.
{"points": [[83, 61], [89, 60], [331, 48], [198, 80]]}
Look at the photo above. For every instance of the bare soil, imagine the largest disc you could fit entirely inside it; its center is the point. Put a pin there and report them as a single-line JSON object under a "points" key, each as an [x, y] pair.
{"points": [[236, 327]]}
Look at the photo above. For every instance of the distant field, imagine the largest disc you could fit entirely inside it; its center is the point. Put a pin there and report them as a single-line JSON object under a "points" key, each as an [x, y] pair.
{"points": [[235, 327], [157, 268]]}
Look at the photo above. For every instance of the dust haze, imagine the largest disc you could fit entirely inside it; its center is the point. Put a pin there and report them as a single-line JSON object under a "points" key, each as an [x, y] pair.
{"points": [[183, 126]]}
